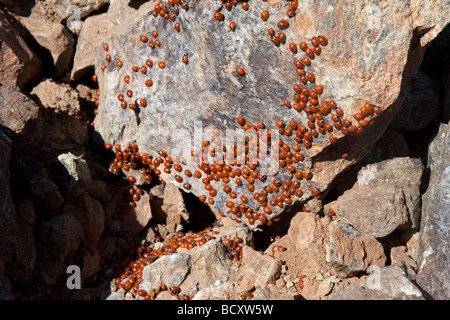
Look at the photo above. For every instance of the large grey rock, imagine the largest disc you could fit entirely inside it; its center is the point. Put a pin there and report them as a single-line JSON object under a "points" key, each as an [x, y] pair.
{"points": [[405, 174], [434, 245], [209, 91]]}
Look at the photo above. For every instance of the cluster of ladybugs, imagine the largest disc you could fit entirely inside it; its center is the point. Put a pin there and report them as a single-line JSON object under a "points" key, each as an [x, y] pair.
{"points": [[148, 253], [236, 182]]}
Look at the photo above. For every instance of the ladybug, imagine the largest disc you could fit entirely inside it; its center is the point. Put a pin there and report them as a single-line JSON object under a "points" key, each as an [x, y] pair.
{"points": [[240, 71], [218, 16], [265, 15], [282, 24]]}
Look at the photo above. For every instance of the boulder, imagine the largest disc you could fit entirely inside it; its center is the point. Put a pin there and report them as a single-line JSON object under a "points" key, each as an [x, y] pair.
{"points": [[19, 64], [96, 30], [57, 97], [187, 101], [257, 270], [394, 282], [131, 220], [374, 211], [31, 179], [19, 119], [58, 238], [174, 207], [21, 266], [169, 270], [356, 292], [434, 246], [405, 174], [53, 37], [351, 252]]}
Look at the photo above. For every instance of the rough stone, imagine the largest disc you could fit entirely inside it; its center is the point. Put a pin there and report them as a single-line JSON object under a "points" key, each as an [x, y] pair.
{"points": [[134, 220], [71, 173], [270, 292], [392, 144], [169, 270], [57, 238], [375, 211], [434, 246], [209, 264], [61, 235], [224, 291], [394, 282], [21, 266], [166, 295], [91, 265], [98, 189], [349, 251], [19, 118], [421, 106], [258, 270], [356, 292], [94, 31], [64, 9], [94, 222], [173, 206], [356, 55], [31, 177], [61, 133], [400, 254], [405, 174], [209, 261], [107, 246], [303, 230], [59, 11], [18, 63], [57, 97], [53, 37]]}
